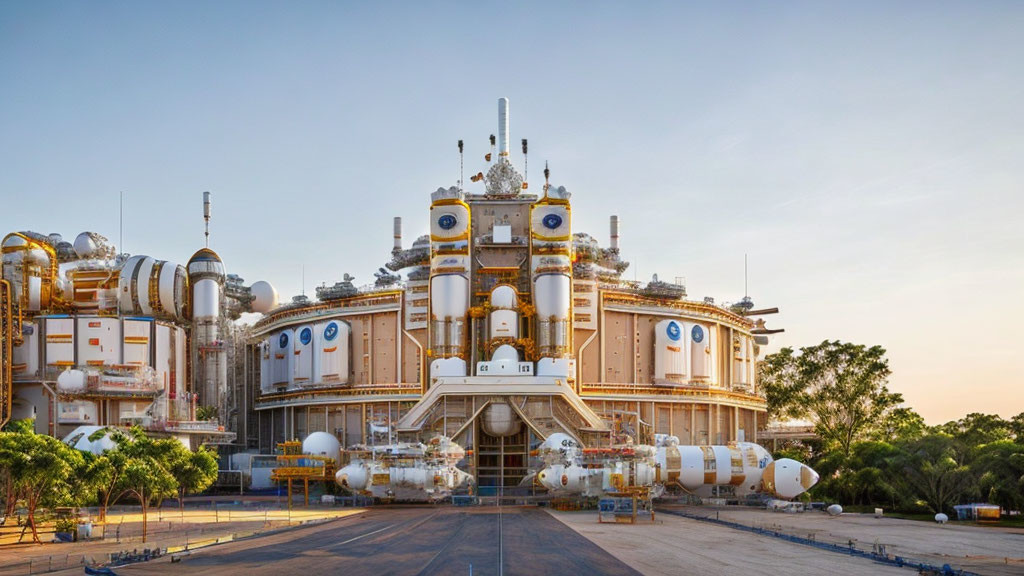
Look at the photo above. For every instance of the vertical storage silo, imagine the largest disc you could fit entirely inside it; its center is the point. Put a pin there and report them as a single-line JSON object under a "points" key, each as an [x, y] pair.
{"points": [[206, 279]]}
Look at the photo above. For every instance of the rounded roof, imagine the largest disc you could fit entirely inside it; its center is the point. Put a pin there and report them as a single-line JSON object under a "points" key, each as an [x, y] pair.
{"points": [[205, 255]]}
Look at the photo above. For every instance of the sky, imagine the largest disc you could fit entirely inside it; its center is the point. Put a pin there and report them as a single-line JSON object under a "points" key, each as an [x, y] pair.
{"points": [[866, 158]]}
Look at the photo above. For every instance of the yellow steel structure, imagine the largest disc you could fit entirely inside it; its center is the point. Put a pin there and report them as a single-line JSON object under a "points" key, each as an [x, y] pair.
{"points": [[290, 466]]}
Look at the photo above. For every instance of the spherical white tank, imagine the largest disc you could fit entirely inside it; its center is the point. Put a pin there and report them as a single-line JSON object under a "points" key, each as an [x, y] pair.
{"points": [[85, 245], [265, 297], [322, 444]]}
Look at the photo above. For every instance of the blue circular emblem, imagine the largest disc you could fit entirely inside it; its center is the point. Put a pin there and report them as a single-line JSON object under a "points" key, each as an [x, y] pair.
{"points": [[673, 331], [306, 336], [697, 334], [552, 221], [447, 222], [331, 332], [282, 342]]}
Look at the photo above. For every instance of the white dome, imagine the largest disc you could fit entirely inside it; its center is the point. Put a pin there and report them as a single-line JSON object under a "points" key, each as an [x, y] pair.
{"points": [[71, 381], [503, 296], [505, 353], [834, 510], [79, 440], [941, 518], [265, 297], [322, 444], [85, 245]]}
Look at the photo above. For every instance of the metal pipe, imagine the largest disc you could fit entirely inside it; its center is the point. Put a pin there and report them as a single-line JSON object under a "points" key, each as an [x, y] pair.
{"points": [[398, 233], [503, 126], [614, 225]]}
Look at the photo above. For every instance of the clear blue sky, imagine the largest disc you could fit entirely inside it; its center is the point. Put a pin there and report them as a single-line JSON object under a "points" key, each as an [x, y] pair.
{"points": [[868, 157]]}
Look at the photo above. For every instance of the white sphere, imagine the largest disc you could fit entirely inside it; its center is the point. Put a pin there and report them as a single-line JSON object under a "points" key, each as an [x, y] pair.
{"points": [[265, 297], [79, 440], [71, 381], [834, 510], [322, 444], [85, 245], [941, 518]]}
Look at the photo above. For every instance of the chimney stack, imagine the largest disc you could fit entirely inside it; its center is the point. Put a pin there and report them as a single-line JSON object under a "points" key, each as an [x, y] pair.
{"points": [[614, 225]]}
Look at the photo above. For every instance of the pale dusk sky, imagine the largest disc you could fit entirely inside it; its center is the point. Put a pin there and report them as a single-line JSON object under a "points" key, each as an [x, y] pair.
{"points": [[868, 158]]}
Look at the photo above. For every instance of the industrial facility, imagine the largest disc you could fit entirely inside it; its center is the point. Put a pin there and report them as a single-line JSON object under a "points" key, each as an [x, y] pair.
{"points": [[503, 349]]}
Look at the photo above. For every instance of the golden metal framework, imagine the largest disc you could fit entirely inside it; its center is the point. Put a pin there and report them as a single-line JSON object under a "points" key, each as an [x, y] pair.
{"points": [[6, 351]]}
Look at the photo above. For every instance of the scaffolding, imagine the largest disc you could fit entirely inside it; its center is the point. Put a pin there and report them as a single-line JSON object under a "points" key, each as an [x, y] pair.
{"points": [[293, 465]]}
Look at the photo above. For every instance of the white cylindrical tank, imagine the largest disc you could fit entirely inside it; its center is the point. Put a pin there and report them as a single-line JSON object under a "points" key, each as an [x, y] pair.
{"points": [[126, 288], [281, 358], [303, 352], [669, 351], [206, 299], [322, 444], [504, 324], [701, 361], [265, 297], [354, 476], [449, 296], [172, 282], [332, 343], [553, 296]]}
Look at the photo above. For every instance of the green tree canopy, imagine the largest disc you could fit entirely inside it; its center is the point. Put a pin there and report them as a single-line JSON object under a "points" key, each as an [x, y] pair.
{"points": [[841, 387]]}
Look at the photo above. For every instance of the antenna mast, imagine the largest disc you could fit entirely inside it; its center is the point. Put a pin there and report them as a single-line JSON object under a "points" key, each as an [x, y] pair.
{"points": [[206, 216]]}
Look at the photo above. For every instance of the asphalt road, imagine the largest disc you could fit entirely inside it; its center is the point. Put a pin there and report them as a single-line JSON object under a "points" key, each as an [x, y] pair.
{"points": [[415, 541]]}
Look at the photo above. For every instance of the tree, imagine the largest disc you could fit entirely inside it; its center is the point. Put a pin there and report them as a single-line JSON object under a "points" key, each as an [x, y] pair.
{"points": [[40, 470], [193, 471], [840, 386], [999, 467], [1017, 428], [140, 467], [933, 473], [900, 425]]}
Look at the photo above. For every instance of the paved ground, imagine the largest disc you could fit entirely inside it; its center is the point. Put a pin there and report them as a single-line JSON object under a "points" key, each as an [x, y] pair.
{"points": [[419, 541], [985, 550], [675, 546], [166, 528]]}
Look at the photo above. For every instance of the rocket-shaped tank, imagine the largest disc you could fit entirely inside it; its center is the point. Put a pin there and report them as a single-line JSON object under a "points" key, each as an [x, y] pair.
{"points": [[551, 271], [206, 278], [747, 467], [449, 282]]}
